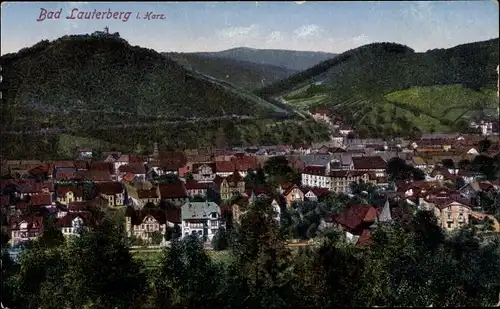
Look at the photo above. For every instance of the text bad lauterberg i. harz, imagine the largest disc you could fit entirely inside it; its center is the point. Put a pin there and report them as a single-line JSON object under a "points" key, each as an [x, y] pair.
{"points": [[95, 14]]}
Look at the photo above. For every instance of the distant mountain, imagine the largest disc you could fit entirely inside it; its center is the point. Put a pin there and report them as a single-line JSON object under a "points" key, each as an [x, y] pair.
{"points": [[366, 86], [241, 73], [290, 59]]}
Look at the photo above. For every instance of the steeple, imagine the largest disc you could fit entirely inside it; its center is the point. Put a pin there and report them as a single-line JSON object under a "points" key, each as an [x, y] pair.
{"points": [[385, 214], [106, 30]]}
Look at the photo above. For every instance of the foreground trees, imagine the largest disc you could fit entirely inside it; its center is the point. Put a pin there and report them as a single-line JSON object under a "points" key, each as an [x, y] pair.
{"points": [[408, 264]]}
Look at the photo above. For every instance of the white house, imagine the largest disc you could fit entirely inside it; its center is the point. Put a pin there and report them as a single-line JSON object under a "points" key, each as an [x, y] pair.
{"points": [[315, 176], [201, 218], [74, 223], [204, 172]]}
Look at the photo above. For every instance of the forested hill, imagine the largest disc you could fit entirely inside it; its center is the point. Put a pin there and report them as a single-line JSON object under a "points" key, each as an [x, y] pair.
{"points": [[292, 59], [386, 89], [387, 67], [106, 73], [241, 73]]}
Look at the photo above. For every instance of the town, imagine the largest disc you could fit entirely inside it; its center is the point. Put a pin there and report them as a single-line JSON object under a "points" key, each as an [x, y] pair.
{"points": [[197, 191]]}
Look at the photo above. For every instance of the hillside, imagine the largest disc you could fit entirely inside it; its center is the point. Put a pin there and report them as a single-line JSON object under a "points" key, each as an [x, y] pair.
{"points": [[106, 73], [359, 85], [103, 91], [290, 59], [243, 74]]}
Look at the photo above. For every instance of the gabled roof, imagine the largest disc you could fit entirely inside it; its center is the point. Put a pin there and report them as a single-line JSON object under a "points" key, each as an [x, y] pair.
{"points": [[199, 210], [67, 220], [369, 163], [134, 168], [61, 191], [385, 214], [138, 216], [173, 190], [356, 215]]}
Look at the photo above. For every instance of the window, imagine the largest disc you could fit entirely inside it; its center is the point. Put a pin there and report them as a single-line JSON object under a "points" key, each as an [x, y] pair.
{"points": [[214, 215], [449, 225], [214, 223]]}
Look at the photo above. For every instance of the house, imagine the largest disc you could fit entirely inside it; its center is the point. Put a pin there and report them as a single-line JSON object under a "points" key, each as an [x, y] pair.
{"points": [[313, 194], [143, 223], [374, 164], [25, 228], [171, 162], [315, 176], [138, 170], [452, 214], [125, 160], [239, 207], [140, 195], [204, 172], [68, 194], [293, 194], [74, 223], [174, 193], [340, 181], [356, 222], [195, 188], [112, 191], [231, 186], [202, 219]]}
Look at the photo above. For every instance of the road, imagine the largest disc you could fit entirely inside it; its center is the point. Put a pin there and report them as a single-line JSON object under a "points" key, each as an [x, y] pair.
{"points": [[482, 216]]}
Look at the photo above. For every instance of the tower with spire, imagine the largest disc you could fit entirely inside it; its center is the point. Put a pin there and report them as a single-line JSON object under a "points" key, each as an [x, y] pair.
{"points": [[106, 30]]}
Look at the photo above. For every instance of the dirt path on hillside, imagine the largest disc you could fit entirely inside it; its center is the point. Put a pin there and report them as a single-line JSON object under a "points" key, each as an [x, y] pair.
{"points": [[481, 216]]}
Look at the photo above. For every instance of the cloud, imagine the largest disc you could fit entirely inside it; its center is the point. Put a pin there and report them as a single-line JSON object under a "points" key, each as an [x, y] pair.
{"points": [[274, 37], [308, 31], [360, 40], [239, 33]]}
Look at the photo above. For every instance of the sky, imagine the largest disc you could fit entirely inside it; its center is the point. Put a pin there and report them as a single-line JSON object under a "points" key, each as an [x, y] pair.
{"points": [[302, 25]]}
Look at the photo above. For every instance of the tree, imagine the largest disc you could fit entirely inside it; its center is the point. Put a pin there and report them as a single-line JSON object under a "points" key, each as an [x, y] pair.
{"points": [[484, 145], [156, 238], [397, 169], [51, 235], [220, 240], [278, 170], [98, 262], [187, 276], [262, 257], [40, 279]]}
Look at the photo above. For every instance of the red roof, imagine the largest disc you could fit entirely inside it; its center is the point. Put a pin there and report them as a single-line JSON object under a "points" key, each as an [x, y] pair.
{"points": [[356, 215], [174, 190], [82, 206], [128, 177], [102, 166], [365, 238], [67, 220], [345, 174], [57, 164], [224, 166], [314, 170], [369, 163], [138, 216], [244, 163], [109, 188], [34, 222], [194, 185], [134, 168], [174, 215]]}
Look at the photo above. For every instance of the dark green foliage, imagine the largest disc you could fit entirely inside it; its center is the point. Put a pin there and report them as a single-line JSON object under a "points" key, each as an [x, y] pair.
{"points": [[220, 240], [397, 169]]}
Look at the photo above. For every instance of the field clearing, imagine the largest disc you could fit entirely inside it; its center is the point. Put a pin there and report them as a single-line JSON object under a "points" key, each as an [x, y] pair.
{"points": [[307, 102], [151, 257]]}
